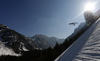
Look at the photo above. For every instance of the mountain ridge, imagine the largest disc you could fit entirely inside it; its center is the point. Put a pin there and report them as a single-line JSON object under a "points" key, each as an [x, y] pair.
{"points": [[18, 42], [50, 41]]}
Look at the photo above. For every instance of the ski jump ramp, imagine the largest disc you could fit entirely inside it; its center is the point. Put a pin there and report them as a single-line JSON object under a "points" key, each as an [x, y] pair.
{"points": [[86, 47]]}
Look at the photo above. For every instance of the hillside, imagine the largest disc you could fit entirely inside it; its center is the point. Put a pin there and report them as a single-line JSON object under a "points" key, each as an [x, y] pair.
{"points": [[12, 42], [15, 41], [44, 41], [86, 47]]}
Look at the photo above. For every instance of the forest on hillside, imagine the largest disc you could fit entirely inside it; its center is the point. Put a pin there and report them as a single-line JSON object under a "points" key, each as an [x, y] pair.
{"points": [[48, 54]]}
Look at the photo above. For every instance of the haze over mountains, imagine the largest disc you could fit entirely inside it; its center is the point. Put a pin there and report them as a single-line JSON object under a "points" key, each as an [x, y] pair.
{"points": [[82, 26], [45, 41]]}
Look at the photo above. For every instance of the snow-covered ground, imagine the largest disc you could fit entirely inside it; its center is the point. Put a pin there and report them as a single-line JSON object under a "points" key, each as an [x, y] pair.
{"points": [[6, 51], [85, 48]]}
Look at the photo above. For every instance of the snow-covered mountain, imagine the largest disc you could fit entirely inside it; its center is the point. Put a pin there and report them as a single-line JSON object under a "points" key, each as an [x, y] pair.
{"points": [[7, 51], [86, 47], [15, 41], [44, 41], [12, 41]]}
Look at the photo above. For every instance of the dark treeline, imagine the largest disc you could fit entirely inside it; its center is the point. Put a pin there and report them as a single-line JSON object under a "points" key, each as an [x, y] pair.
{"points": [[51, 54], [44, 55]]}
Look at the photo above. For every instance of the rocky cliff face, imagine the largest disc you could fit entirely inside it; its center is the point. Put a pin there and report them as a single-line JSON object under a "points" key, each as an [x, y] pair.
{"points": [[15, 41]]}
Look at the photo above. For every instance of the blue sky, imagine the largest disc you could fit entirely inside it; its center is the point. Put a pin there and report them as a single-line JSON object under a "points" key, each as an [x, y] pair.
{"points": [[47, 17]]}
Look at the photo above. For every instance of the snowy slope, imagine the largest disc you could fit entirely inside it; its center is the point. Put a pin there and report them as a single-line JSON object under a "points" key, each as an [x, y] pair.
{"points": [[86, 48], [6, 51]]}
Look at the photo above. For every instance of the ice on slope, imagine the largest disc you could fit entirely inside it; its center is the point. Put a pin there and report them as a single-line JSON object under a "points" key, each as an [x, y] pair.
{"points": [[6, 51], [86, 48]]}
